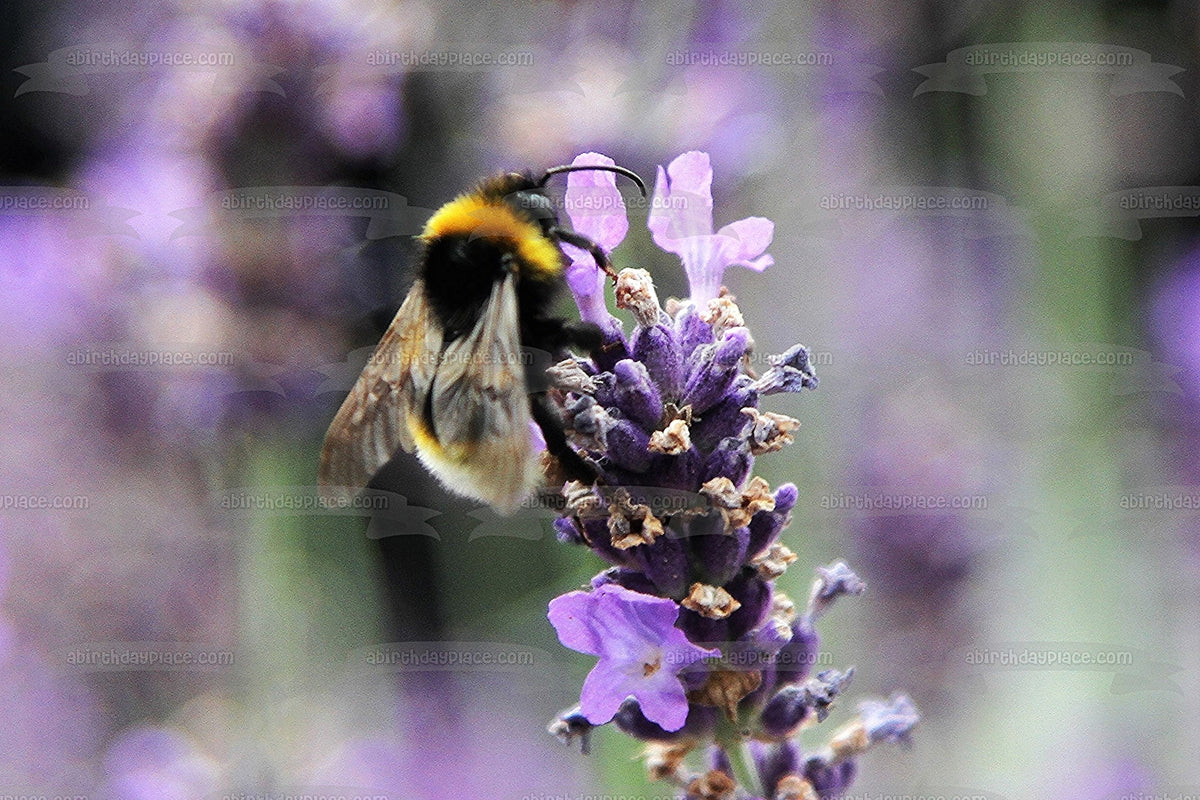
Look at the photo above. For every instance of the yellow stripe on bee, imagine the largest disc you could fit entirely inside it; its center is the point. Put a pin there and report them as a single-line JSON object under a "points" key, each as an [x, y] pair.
{"points": [[473, 215]]}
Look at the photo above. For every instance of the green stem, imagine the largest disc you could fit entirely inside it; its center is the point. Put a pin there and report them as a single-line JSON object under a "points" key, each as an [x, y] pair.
{"points": [[729, 737]]}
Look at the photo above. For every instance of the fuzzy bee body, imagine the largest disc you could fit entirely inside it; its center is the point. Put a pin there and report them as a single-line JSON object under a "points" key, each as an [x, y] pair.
{"points": [[449, 378]]}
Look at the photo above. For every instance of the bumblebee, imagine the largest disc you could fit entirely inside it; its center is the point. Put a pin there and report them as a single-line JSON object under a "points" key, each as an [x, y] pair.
{"points": [[448, 379]]}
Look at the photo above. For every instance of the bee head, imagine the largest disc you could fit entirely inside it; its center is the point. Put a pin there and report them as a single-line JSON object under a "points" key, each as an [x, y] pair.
{"points": [[528, 196]]}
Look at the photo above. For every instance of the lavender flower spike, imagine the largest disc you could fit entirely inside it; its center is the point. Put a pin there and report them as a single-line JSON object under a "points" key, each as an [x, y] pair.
{"points": [[698, 649], [681, 222]]}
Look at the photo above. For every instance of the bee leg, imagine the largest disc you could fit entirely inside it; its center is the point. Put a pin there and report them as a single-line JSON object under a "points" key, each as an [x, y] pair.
{"points": [[547, 418], [584, 243], [586, 336]]}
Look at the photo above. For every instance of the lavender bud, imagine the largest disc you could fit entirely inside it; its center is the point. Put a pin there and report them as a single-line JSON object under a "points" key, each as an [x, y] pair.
{"points": [[583, 415], [627, 445], [829, 780], [680, 471], [770, 637], [664, 562], [717, 557], [715, 367], [726, 418], [599, 538], [629, 388], [793, 705], [718, 760], [796, 658], [701, 721], [567, 530], [775, 761], [765, 526], [703, 630], [692, 330], [754, 594], [789, 372], [657, 348], [731, 459]]}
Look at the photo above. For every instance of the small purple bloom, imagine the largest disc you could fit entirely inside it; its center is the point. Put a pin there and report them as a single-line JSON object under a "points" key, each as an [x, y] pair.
{"points": [[832, 582], [681, 222], [640, 649], [595, 207], [889, 720]]}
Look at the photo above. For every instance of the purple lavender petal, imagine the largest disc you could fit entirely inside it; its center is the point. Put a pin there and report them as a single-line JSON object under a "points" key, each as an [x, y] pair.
{"points": [[630, 579], [682, 207], [663, 700], [891, 720], [752, 236], [570, 615], [587, 285], [604, 689], [640, 649], [594, 204], [832, 582]]}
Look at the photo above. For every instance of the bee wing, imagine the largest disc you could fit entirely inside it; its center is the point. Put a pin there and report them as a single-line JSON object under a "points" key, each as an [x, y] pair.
{"points": [[372, 422], [479, 392]]}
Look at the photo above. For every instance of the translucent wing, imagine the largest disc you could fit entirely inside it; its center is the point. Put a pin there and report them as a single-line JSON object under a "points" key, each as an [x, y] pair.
{"points": [[479, 389], [480, 408], [373, 421]]}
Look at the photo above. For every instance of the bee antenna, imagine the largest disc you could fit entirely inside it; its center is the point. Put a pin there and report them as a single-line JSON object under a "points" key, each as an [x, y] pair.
{"points": [[628, 173]]}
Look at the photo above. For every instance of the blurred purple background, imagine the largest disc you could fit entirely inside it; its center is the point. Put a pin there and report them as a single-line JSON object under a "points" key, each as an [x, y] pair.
{"points": [[1021, 370]]}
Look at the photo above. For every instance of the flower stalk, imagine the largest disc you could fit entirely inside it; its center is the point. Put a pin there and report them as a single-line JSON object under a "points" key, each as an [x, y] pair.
{"points": [[697, 648]]}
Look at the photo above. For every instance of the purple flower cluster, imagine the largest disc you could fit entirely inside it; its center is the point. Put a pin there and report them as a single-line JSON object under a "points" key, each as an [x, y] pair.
{"points": [[697, 649]]}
